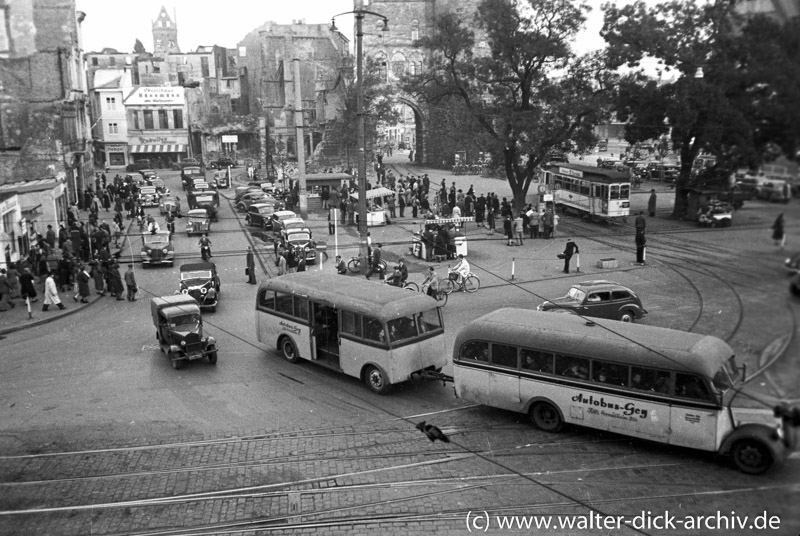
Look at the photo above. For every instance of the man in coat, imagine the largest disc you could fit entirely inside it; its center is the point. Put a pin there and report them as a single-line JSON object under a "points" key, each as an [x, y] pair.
{"points": [[51, 292], [83, 284], [251, 266], [570, 249], [27, 288], [130, 282]]}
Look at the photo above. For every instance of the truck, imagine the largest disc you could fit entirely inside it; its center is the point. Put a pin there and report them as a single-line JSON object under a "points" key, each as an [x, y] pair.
{"points": [[179, 330]]}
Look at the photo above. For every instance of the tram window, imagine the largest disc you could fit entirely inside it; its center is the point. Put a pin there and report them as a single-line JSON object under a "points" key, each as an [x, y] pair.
{"points": [[572, 367], [351, 323], [614, 191], [691, 386], [537, 361], [477, 350], [610, 373], [585, 188], [625, 191], [266, 299], [505, 356]]}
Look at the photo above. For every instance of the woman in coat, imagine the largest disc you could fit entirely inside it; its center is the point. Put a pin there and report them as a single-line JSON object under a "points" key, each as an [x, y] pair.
{"points": [[115, 283], [27, 288], [83, 284], [779, 231], [99, 279]]}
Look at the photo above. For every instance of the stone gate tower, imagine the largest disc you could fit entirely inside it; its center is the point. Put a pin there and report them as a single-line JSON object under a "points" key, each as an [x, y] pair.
{"points": [[165, 34]]}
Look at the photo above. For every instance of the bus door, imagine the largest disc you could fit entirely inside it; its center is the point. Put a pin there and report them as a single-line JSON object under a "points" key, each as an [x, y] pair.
{"points": [[325, 331], [504, 385], [694, 414]]}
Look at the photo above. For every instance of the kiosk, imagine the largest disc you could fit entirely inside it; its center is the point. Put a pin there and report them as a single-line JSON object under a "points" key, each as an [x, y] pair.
{"points": [[441, 238], [377, 213]]}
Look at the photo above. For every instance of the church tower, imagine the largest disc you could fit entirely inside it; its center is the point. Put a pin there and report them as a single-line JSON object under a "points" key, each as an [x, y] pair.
{"points": [[165, 34]]}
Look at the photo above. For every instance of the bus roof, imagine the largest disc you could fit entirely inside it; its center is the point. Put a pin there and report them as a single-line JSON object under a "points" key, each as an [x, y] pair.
{"points": [[594, 173], [384, 302], [647, 346]]}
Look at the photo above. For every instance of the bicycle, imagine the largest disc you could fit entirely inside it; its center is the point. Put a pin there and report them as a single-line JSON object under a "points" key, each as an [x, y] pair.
{"points": [[354, 264], [471, 283], [440, 295]]}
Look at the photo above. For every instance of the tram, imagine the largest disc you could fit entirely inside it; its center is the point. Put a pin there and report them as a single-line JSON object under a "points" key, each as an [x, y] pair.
{"points": [[588, 191]]}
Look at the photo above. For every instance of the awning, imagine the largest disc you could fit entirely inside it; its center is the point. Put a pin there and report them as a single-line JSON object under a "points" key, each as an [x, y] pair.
{"points": [[375, 192], [451, 220], [159, 148]]}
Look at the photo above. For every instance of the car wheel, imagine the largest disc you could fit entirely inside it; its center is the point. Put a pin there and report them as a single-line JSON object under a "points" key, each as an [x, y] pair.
{"points": [[376, 381], [241, 207], [212, 355], [546, 417], [751, 456], [289, 350], [176, 363], [627, 316], [247, 220]]}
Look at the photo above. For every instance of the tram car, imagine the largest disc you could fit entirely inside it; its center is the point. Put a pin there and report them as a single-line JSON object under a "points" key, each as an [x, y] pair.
{"points": [[588, 191]]}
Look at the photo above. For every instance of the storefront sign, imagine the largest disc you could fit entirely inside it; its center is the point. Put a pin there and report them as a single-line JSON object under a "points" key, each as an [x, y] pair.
{"points": [[158, 139], [156, 95], [115, 147], [570, 172], [230, 138]]}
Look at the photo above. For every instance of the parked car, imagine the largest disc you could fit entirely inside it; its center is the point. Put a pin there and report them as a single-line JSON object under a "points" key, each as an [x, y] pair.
{"points": [[159, 185], [201, 281], [222, 163], [774, 191], [187, 162], [279, 216], [298, 241], [157, 248], [293, 224], [221, 179], [260, 215], [148, 174], [149, 196], [198, 221], [610, 163], [601, 299], [179, 330], [189, 174], [244, 202], [139, 164]]}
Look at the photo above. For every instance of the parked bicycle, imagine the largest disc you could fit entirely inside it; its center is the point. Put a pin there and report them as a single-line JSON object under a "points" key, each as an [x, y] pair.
{"points": [[354, 264], [470, 283]]}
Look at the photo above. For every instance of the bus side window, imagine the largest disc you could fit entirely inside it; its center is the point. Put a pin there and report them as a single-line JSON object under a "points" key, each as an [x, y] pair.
{"points": [[301, 307], [283, 303], [663, 382], [266, 299], [477, 350], [351, 323], [644, 379], [572, 367], [401, 328], [691, 386], [536, 360], [505, 356], [373, 330], [610, 373]]}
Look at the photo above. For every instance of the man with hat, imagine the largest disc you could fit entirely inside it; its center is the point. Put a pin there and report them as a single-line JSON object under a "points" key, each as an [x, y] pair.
{"points": [[570, 249], [130, 282], [251, 266]]}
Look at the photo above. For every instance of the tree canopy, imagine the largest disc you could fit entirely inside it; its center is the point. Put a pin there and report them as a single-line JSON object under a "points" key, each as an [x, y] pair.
{"points": [[520, 80], [138, 47]]}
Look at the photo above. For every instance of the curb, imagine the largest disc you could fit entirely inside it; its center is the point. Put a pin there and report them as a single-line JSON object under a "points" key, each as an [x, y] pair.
{"points": [[42, 321]]}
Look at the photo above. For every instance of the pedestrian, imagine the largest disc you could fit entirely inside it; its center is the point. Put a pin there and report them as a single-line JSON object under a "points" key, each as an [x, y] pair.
{"points": [[641, 243], [251, 266], [490, 220], [508, 230], [283, 264], [5, 289], [115, 281], [519, 225], [99, 277], [341, 267], [548, 223], [130, 282], [51, 292], [83, 284], [533, 223], [27, 288], [301, 262], [641, 222], [13, 280], [651, 204], [779, 231], [376, 262], [570, 250]]}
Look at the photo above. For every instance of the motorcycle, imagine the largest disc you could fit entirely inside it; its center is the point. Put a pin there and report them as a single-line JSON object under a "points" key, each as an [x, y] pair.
{"points": [[205, 252]]}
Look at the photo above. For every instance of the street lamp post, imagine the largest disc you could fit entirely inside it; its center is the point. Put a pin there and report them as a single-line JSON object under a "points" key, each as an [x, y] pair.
{"points": [[359, 13]]}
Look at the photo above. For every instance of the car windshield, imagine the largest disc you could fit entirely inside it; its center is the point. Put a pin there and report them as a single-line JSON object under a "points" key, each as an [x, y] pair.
{"points": [[204, 198], [198, 219], [196, 274], [155, 239], [299, 237], [576, 294], [147, 191], [265, 210], [185, 323]]}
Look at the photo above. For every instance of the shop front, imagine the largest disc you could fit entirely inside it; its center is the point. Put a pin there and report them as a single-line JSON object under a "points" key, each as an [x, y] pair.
{"points": [[441, 238], [377, 208]]}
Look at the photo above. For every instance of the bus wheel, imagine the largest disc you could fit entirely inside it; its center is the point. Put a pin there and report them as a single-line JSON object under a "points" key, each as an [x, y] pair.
{"points": [[376, 381], [627, 316], [751, 456], [289, 350], [545, 417]]}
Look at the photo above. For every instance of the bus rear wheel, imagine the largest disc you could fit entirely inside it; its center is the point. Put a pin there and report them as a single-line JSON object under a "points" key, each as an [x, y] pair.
{"points": [[289, 350], [751, 456], [376, 381], [546, 417]]}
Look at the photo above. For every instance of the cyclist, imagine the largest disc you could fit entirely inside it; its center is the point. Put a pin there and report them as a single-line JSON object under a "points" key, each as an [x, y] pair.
{"points": [[432, 281], [461, 268], [403, 271]]}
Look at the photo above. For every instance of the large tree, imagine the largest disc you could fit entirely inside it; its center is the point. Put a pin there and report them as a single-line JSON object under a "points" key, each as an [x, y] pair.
{"points": [[519, 79], [721, 95]]}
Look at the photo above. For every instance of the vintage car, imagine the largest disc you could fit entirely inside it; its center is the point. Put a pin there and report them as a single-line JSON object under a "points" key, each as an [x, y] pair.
{"points": [[187, 162], [260, 215], [221, 179], [292, 224], [299, 241], [264, 186], [139, 165], [199, 222], [148, 174], [602, 299], [179, 330], [774, 191], [222, 163], [189, 174], [157, 249], [149, 196], [279, 216], [170, 204], [159, 185], [207, 199], [201, 281], [200, 185], [244, 202]]}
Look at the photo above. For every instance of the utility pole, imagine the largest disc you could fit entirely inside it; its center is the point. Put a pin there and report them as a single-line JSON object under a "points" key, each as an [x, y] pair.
{"points": [[362, 153], [301, 144]]}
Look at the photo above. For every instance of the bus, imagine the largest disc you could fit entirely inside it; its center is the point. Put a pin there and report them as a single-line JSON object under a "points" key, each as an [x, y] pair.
{"points": [[372, 331], [595, 192], [648, 382]]}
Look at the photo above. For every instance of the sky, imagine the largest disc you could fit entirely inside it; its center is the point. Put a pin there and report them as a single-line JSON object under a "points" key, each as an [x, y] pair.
{"points": [[117, 24]]}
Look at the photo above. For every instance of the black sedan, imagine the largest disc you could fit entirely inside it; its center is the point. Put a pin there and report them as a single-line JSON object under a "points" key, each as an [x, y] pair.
{"points": [[260, 215]]}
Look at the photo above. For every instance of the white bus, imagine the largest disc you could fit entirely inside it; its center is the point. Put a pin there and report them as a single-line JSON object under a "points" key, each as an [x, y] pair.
{"points": [[654, 383], [372, 331]]}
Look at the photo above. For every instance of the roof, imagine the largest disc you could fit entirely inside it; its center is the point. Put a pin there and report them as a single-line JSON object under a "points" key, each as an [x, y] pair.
{"points": [[381, 301], [601, 339], [374, 192], [198, 266], [598, 283], [597, 173], [36, 185]]}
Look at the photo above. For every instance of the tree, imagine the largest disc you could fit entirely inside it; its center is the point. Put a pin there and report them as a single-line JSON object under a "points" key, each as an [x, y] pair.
{"points": [[724, 98], [525, 88], [138, 47]]}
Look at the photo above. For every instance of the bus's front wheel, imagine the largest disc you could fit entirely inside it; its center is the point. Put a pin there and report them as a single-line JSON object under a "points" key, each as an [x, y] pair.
{"points": [[376, 380], [289, 350], [751, 456], [546, 417]]}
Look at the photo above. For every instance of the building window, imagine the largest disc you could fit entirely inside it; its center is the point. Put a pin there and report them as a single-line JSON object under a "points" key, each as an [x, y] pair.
{"points": [[414, 30], [111, 103], [177, 118], [112, 61], [113, 128], [8, 228], [156, 68], [95, 62], [159, 42], [135, 115], [398, 68], [172, 44], [204, 67], [163, 119], [148, 120]]}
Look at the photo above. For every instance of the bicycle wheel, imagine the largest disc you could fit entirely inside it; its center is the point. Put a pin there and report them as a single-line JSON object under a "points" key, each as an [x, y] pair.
{"points": [[441, 298], [354, 266], [449, 286], [410, 285], [472, 283]]}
